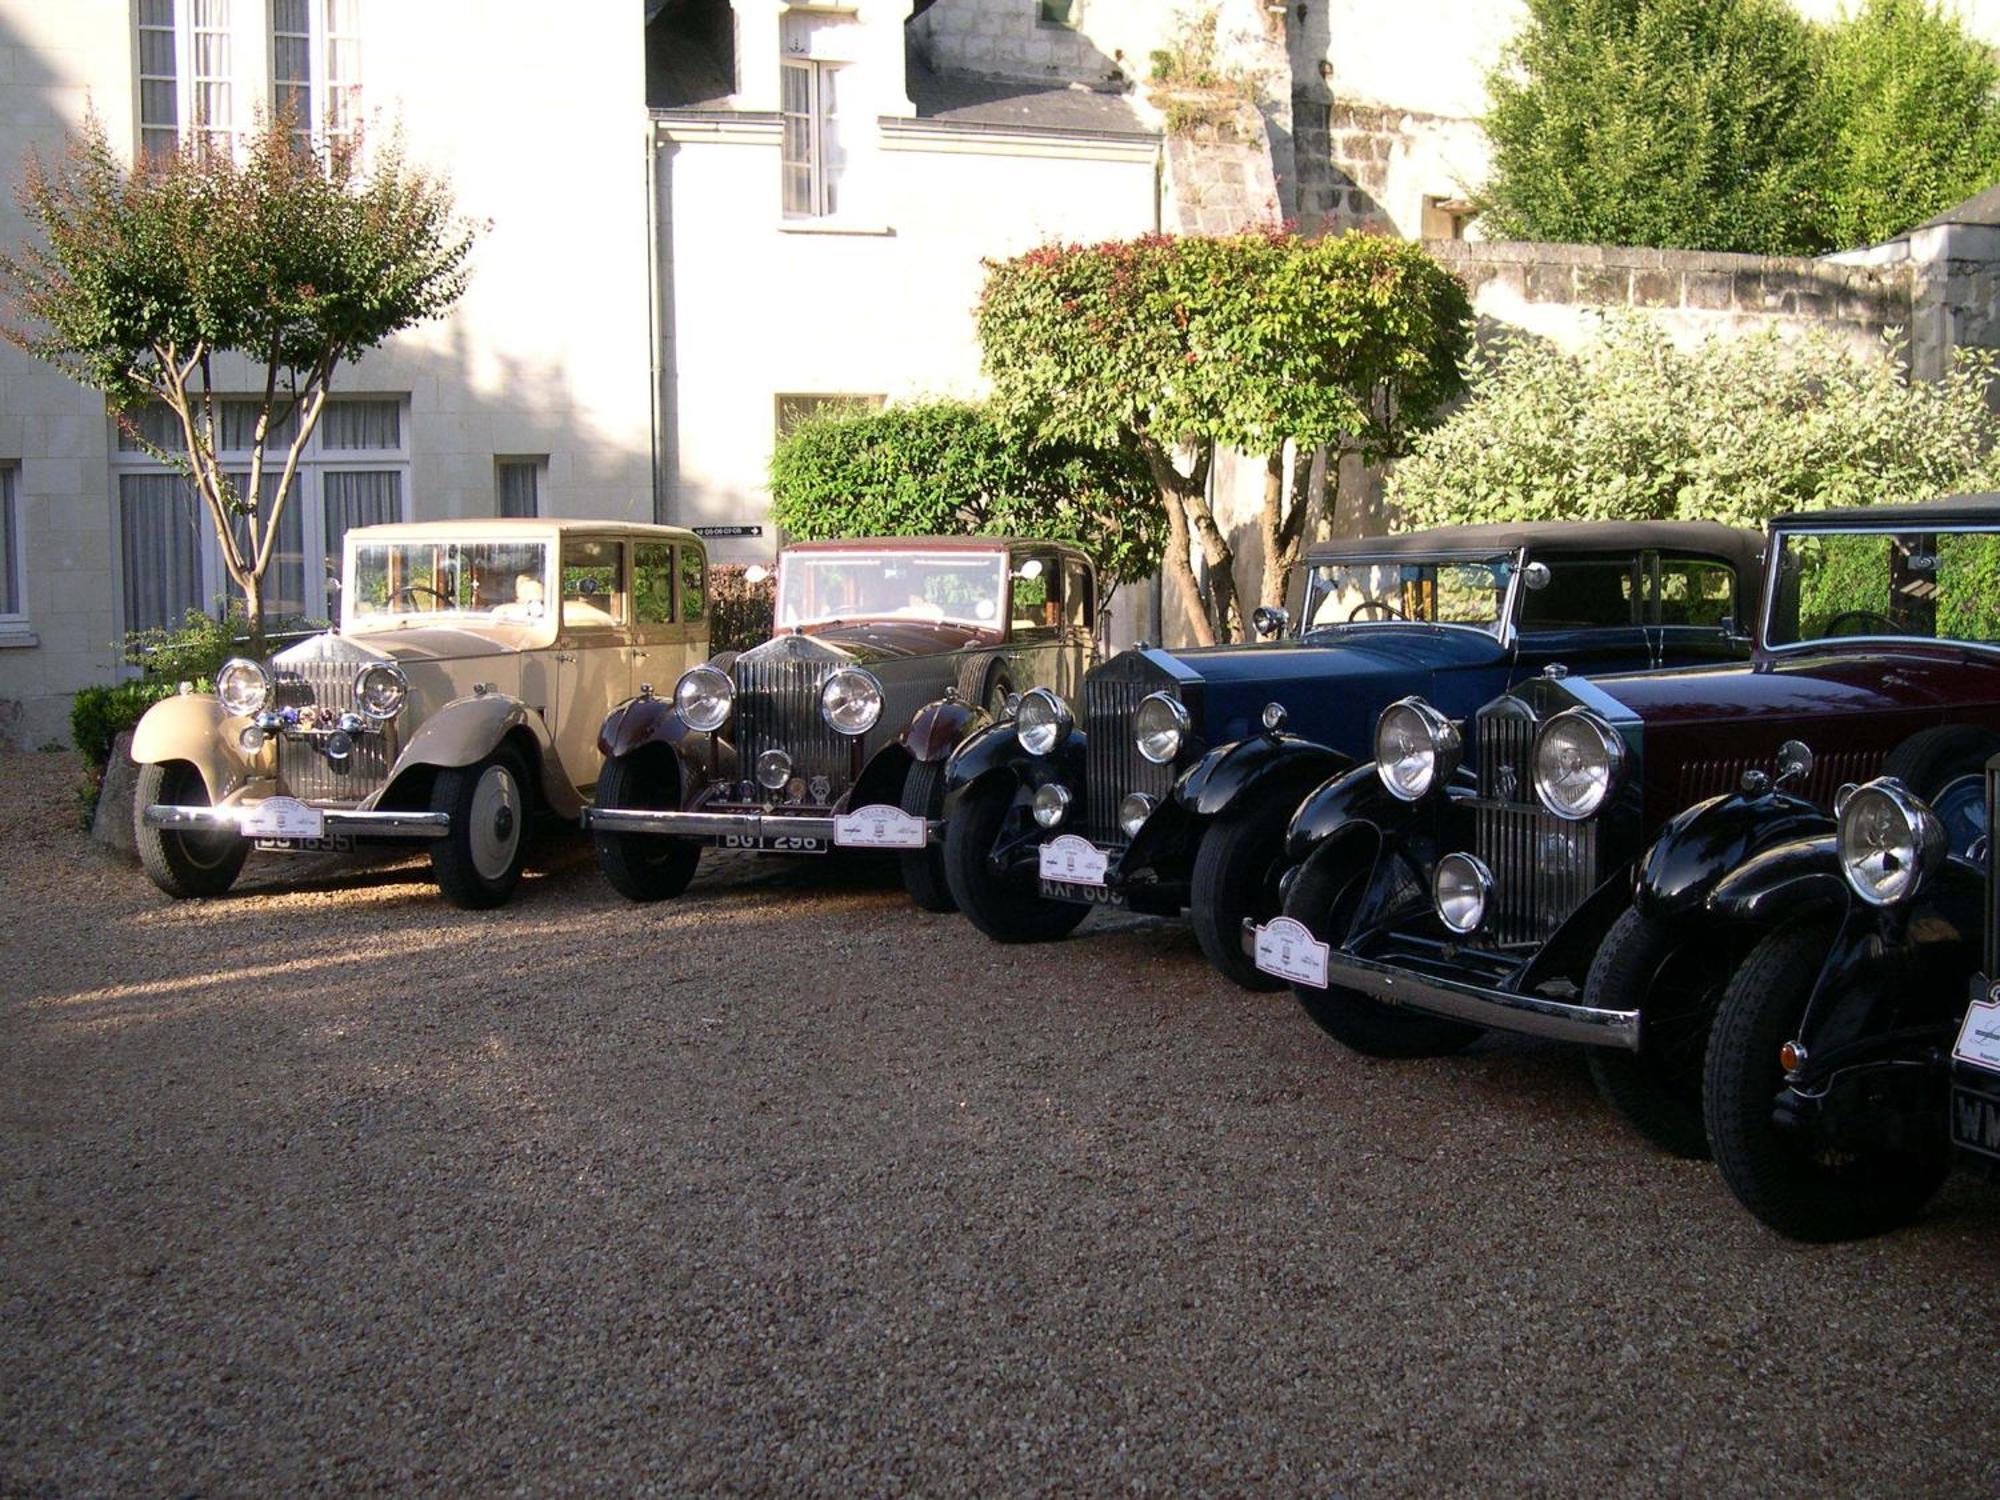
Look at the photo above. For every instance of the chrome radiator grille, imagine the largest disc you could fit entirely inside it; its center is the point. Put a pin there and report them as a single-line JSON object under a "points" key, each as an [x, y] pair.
{"points": [[328, 688], [1503, 744], [1111, 760], [1543, 867], [777, 708]]}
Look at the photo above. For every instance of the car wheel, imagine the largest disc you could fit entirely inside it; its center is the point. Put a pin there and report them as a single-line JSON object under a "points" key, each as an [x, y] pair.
{"points": [[993, 905], [923, 869], [1235, 876], [478, 863], [184, 865], [642, 866], [1322, 900], [1931, 759], [983, 683], [1675, 980], [1796, 1187]]}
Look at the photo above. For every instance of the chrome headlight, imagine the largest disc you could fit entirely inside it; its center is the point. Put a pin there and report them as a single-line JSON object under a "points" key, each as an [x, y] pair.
{"points": [[1051, 804], [851, 700], [1133, 810], [704, 696], [1160, 727], [379, 690], [243, 686], [1461, 886], [1042, 722], [1577, 759], [1416, 748], [1889, 842]]}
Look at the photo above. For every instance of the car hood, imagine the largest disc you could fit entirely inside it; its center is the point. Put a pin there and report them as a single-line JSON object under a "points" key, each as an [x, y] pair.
{"points": [[868, 641], [1409, 655], [1845, 683], [444, 642]]}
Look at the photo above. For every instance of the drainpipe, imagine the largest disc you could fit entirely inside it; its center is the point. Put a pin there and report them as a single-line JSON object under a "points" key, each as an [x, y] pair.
{"points": [[653, 415]]}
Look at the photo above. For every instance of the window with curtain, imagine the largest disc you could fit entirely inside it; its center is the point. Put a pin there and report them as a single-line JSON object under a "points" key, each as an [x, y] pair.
{"points": [[352, 424], [159, 80], [12, 604], [211, 99], [813, 158], [519, 482], [367, 498], [160, 543], [285, 582]]}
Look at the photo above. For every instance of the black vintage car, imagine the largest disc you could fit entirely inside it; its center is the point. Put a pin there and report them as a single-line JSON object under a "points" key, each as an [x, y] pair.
{"points": [[833, 734], [1172, 788], [1433, 900]]}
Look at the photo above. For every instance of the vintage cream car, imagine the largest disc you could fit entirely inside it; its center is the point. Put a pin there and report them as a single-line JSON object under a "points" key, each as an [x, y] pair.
{"points": [[461, 695]]}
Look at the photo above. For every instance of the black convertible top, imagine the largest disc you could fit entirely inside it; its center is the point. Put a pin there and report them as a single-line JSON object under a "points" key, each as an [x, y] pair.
{"points": [[1956, 510], [1737, 545]]}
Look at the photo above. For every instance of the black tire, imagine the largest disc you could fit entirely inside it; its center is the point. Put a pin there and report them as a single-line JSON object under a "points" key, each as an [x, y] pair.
{"points": [[184, 865], [1676, 981], [983, 683], [923, 869], [1235, 876], [1003, 913], [1930, 759], [1803, 1194], [642, 866], [478, 863], [1323, 900]]}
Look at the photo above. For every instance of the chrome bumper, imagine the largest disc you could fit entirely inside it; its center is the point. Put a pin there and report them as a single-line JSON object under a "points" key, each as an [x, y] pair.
{"points": [[339, 821], [711, 825]]}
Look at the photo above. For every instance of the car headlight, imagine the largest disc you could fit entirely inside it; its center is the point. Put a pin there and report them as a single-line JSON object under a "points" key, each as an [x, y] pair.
{"points": [[1889, 841], [704, 696], [1461, 886], [1042, 722], [1051, 804], [851, 700], [1577, 759], [1160, 727], [1416, 748], [379, 690], [1133, 810], [243, 686]]}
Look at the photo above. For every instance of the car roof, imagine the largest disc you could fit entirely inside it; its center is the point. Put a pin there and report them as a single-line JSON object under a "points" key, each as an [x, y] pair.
{"points": [[1955, 509], [936, 544], [1736, 543], [524, 528]]}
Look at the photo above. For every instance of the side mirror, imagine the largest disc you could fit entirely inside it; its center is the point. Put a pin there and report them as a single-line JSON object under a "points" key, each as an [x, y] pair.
{"points": [[1795, 761], [1269, 622], [1536, 575]]}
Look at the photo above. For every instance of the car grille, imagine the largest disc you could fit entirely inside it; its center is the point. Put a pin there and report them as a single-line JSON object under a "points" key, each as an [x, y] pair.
{"points": [[1543, 866], [1503, 744], [1112, 762], [304, 770], [777, 708]]}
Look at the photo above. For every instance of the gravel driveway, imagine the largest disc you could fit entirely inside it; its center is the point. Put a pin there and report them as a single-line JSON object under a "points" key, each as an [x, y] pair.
{"points": [[787, 1187]]}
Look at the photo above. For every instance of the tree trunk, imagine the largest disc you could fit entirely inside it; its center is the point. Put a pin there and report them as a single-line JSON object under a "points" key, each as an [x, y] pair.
{"points": [[1285, 531], [253, 610], [1225, 611], [1182, 571]]}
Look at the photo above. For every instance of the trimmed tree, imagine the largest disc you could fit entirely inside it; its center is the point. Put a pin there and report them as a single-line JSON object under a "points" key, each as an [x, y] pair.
{"points": [[295, 260], [946, 468], [1170, 348]]}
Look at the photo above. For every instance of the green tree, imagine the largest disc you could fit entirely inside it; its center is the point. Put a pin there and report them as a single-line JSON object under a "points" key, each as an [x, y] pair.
{"points": [[1169, 348], [946, 468], [1690, 124], [1916, 105], [1633, 427], [294, 260]]}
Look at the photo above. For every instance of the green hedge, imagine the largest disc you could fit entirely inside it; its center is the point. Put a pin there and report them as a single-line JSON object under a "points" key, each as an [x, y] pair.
{"points": [[100, 714]]}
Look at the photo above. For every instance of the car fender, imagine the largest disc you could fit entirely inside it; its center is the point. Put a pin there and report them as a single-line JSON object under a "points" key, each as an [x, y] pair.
{"points": [[467, 730], [1782, 883], [642, 721], [1703, 844], [1354, 795], [193, 727], [938, 728], [1228, 774]]}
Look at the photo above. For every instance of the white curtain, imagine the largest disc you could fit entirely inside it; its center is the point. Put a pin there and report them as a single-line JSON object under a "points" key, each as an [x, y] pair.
{"points": [[285, 583], [361, 499], [160, 549], [10, 548], [520, 492], [346, 425]]}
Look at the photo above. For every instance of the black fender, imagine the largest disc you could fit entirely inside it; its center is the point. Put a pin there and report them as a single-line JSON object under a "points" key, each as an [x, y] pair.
{"points": [[645, 721], [1701, 845], [995, 748], [1228, 774], [937, 729], [1783, 883], [1357, 795], [881, 780]]}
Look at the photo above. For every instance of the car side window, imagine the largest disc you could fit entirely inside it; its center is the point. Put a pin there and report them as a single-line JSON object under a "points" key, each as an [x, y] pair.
{"points": [[1081, 598], [694, 584], [1037, 591], [653, 583], [1694, 591], [593, 583], [1583, 593]]}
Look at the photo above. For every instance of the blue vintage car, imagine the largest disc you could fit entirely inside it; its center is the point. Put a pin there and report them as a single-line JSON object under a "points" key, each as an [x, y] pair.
{"points": [[1171, 790]]}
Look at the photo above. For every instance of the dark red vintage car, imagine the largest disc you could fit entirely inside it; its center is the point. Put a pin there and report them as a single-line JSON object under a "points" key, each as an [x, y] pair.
{"points": [[1431, 903]]}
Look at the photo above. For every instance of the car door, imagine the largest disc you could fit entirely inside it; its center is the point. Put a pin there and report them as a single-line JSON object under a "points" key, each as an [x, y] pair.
{"points": [[593, 649], [669, 613], [1588, 615], [1079, 648], [1693, 609], [1035, 624]]}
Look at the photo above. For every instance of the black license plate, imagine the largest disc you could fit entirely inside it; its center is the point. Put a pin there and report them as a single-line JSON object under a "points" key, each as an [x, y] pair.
{"points": [[1975, 1119], [1088, 895], [791, 843], [332, 843]]}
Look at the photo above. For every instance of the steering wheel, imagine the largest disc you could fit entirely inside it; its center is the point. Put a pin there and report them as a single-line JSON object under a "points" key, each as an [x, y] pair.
{"points": [[1378, 610], [413, 588], [1867, 621]]}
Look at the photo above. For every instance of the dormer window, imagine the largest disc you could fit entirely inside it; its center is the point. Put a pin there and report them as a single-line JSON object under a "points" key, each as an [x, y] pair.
{"points": [[813, 155]]}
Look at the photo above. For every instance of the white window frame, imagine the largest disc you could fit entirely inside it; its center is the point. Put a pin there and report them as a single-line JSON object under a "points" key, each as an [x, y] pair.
{"points": [[189, 118], [824, 177], [14, 580], [308, 495], [332, 104]]}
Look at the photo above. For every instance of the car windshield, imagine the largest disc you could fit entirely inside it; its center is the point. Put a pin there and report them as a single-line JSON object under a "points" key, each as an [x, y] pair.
{"points": [[1933, 585], [393, 582], [1436, 591], [816, 588]]}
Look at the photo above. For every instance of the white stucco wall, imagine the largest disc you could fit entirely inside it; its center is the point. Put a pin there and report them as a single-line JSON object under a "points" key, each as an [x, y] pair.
{"points": [[548, 354]]}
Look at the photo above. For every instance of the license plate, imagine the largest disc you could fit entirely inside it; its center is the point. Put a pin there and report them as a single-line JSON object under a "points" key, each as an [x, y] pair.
{"points": [[1288, 951], [789, 843], [1975, 1121], [1070, 860], [1088, 895], [879, 826], [332, 843], [283, 818]]}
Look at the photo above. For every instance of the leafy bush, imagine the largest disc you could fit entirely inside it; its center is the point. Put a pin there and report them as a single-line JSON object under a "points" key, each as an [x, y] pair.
{"points": [[740, 612], [1632, 427], [194, 651], [100, 714], [947, 468]]}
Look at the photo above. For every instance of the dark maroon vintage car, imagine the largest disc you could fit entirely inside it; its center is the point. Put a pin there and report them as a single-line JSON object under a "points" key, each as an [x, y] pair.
{"points": [[833, 734], [1430, 903]]}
